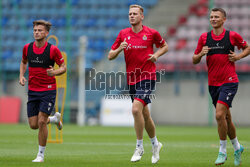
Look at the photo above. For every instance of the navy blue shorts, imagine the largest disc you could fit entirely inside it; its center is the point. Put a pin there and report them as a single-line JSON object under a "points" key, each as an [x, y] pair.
{"points": [[223, 94], [141, 91], [40, 101]]}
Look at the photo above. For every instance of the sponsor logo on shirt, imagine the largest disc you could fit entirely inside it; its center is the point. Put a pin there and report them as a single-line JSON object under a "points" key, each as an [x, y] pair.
{"points": [[37, 61], [136, 47], [217, 46], [139, 47], [128, 47]]}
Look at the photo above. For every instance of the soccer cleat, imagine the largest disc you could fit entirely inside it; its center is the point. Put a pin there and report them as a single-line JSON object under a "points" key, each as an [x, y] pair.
{"points": [[237, 156], [38, 159], [58, 122], [221, 159], [156, 151], [137, 154]]}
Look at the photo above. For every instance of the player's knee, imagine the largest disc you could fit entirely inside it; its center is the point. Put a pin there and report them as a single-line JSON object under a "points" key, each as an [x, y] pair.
{"points": [[219, 116], [33, 126], [146, 116], [136, 111], [42, 123]]}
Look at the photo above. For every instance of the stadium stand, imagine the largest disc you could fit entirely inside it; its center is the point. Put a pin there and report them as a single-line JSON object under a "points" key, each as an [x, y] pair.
{"points": [[183, 37], [100, 21]]}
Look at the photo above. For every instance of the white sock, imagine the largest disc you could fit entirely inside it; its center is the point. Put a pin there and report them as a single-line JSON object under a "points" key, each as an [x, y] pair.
{"points": [[235, 143], [41, 151], [139, 143], [154, 141], [223, 146], [52, 119]]}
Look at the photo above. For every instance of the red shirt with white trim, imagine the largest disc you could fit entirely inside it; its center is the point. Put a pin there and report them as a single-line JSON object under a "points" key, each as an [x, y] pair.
{"points": [[38, 78], [220, 69], [140, 45]]}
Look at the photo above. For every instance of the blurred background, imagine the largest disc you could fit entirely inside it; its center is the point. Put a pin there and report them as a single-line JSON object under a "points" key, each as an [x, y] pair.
{"points": [[181, 96]]}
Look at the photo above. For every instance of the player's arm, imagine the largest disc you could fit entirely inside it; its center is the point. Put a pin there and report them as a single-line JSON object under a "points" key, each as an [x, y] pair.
{"points": [[52, 72], [162, 50], [23, 67], [114, 53], [234, 57], [203, 52]]}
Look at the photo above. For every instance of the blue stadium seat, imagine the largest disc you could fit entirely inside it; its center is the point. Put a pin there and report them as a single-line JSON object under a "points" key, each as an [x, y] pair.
{"points": [[7, 54], [4, 21], [91, 22], [111, 22]]}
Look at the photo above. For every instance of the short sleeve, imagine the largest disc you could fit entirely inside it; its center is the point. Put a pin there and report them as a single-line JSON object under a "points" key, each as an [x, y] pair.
{"points": [[158, 40], [56, 55], [201, 43], [237, 40], [25, 52], [117, 42]]}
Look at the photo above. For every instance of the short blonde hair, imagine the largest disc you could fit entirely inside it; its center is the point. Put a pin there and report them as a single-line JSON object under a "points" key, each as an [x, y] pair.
{"points": [[47, 24], [137, 6]]}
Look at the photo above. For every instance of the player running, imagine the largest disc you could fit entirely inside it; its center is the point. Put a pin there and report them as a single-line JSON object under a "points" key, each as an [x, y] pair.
{"points": [[41, 57], [218, 46], [137, 44]]}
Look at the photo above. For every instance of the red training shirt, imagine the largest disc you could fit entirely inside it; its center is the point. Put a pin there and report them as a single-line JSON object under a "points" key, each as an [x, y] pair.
{"points": [[38, 78], [220, 69], [140, 45]]}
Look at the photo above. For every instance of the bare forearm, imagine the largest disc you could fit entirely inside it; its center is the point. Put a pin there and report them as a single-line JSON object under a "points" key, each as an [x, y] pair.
{"points": [[245, 52], [162, 50], [114, 53], [23, 67], [61, 70], [197, 58]]}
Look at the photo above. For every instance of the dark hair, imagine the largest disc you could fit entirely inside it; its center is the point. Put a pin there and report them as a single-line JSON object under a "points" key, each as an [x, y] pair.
{"points": [[220, 10], [47, 24]]}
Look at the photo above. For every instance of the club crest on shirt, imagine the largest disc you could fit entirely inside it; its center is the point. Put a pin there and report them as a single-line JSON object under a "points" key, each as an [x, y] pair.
{"points": [[128, 37], [144, 37]]}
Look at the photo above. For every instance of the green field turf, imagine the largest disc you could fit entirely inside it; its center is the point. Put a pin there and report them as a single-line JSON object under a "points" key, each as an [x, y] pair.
{"points": [[114, 146]]}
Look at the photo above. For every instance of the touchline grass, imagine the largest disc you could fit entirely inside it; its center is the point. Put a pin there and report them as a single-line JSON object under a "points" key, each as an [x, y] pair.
{"points": [[113, 147]]}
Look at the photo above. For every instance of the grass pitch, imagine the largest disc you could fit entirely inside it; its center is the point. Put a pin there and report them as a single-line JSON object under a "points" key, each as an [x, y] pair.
{"points": [[114, 146]]}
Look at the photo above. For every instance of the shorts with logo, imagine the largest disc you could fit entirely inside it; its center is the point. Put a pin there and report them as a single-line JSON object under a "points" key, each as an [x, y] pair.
{"points": [[223, 94], [43, 101], [141, 91]]}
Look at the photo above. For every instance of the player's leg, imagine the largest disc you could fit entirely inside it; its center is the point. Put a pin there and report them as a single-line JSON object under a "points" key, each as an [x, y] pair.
{"points": [[42, 136], [221, 123], [150, 128], [33, 122], [229, 90], [231, 128], [47, 101], [56, 119], [238, 148], [222, 127], [149, 123], [137, 108]]}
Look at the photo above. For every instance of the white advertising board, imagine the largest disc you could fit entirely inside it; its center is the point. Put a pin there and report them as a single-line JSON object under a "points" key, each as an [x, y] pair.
{"points": [[116, 112]]}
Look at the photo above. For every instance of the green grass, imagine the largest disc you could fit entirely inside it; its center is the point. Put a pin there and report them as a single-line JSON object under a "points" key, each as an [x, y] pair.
{"points": [[114, 146]]}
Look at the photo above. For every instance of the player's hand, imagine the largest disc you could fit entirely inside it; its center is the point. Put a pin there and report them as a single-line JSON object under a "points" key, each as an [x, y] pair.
{"points": [[123, 45], [50, 71], [205, 50], [233, 57], [22, 81], [152, 58]]}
